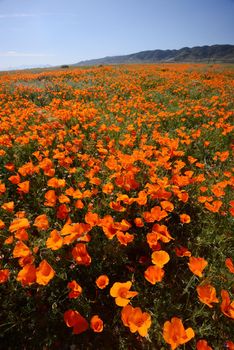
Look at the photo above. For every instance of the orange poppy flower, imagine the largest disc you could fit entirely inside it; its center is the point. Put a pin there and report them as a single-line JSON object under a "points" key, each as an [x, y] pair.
{"points": [[27, 275], [62, 212], [227, 306], [207, 294], [142, 198], [55, 241], [4, 275], [2, 224], [138, 222], [56, 183], [9, 240], [76, 290], [121, 292], [203, 199], [136, 320], [162, 233], [217, 190], [21, 234], [19, 224], [21, 250], [230, 345], [175, 334], [168, 206], [124, 225], [51, 198], [197, 265], [79, 204], [124, 238], [25, 260], [9, 206], [117, 206], [182, 251], [14, 179], [44, 273], [96, 324], [102, 281], [185, 219], [92, 219], [63, 199], [203, 345], [23, 187], [155, 214], [229, 265], [154, 274], [2, 188], [74, 319], [9, 166], [108, 188], [214, 206], [80, 254], [41, 222], [160, 258]]}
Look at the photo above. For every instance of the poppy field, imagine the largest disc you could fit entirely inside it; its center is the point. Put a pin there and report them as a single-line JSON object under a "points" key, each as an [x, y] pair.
{"points": [[116, 208]]}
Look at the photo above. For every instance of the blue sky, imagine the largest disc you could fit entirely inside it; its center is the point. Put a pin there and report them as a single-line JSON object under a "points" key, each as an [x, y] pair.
{"points": [[66, 31]]}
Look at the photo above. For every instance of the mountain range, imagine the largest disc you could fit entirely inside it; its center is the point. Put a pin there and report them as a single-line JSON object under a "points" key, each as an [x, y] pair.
{"points": [[208, 54]]}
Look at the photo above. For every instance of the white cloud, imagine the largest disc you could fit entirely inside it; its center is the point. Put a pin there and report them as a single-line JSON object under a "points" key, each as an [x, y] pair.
{"points": [[23, 54]]}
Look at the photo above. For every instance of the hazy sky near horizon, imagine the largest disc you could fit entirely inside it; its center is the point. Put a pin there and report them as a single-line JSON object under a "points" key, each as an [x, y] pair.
{"points": [[35, 32]]}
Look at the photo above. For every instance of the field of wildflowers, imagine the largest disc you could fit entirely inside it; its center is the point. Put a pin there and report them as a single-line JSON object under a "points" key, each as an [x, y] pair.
{"points": [[116, 216]]}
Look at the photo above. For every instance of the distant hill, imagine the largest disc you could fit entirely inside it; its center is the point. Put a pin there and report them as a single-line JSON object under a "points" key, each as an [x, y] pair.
{"points": [[210, 54]]}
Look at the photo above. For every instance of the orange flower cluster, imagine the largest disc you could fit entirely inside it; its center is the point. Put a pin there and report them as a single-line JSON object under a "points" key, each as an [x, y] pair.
{"points": [[115, 191]]}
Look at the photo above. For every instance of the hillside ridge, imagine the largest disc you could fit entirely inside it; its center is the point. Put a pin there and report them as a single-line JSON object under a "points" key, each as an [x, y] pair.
{"points": [[210, 54]]}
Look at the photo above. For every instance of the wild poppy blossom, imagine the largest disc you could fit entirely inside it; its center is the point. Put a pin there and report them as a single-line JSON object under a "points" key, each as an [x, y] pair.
{"points": [[22, 234], [139, 222], [229, 265], [44, 273], [92, 219], [175, 334], [21, 250], [197, 265], [185, 219], [96, 324], [27, 275], [124, 238], [102, 281], [23, 187], [203, 345], [154, 274], [41, 222], [214, 206], [136, 320], [168, 206], [76, 290], [160, 258], [55, 241], [74, 319], [51, 198], [9, 206], [4, 275], [227, 306], [80, 254], [2, 224], [207, 294], [19, 224], [182, 251], [121, 292], [230, 345]]}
